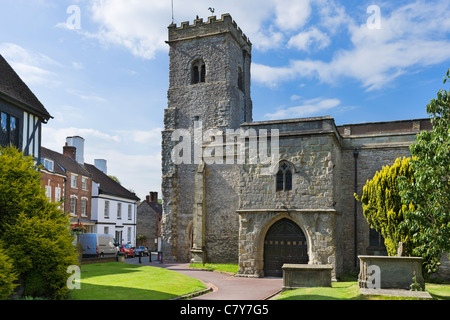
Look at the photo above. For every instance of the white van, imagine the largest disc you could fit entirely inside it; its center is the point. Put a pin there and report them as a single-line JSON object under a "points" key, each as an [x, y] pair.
{"points": [[95, 245]]}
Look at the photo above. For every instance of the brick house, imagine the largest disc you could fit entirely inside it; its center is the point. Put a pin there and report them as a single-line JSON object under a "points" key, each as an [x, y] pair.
{"points": [[148, 221], [67, 179], [21, 113]]}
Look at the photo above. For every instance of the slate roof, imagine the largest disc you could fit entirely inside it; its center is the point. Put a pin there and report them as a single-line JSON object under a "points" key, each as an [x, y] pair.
{"points": [[155, 206], [64, 163], [109, 186], [13, 88]]}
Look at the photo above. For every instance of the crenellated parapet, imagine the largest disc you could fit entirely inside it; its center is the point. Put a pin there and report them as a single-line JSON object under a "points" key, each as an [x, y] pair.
{"points": [[212, 27]]}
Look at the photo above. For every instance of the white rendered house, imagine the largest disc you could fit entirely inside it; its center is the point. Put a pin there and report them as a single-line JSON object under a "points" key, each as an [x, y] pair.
{"points": [[113, 206]]}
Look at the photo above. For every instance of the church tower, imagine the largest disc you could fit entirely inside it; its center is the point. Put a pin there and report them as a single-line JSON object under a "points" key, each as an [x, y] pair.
{"points": [[209, 87]]}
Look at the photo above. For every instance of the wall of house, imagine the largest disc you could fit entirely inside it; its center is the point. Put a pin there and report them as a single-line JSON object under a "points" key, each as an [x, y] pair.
{"points": [[112, 223]]}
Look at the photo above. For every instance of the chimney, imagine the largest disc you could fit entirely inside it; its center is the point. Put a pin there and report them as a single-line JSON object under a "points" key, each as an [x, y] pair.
{"points": [[101, 165], [78, 143], [154, 197], [70, 152]]}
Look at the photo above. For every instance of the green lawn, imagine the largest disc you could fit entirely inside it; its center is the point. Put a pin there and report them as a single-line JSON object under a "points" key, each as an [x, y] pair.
{"points": [[221, 267], [350, 291], [123, 281]]}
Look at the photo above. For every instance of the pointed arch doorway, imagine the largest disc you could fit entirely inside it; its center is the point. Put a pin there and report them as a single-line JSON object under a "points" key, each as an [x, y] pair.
{"points": [[285, 242]]}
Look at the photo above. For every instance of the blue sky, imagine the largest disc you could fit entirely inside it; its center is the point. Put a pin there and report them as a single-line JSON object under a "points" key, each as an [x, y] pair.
{"points": [[106, 78]]}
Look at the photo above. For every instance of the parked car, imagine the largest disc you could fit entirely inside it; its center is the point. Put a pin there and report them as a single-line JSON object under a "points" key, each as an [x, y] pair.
{"points": [[127, 249], [95, 245], [141, 249]]}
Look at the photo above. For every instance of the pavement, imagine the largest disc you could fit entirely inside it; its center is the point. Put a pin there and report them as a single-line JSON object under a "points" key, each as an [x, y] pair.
{"points": [[221, 286]]}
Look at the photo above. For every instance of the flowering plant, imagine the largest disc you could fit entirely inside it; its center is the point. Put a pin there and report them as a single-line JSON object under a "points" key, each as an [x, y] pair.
{"points": [[78, 228]]}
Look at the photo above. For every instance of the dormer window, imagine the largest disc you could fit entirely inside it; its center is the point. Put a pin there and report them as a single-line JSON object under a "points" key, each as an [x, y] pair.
{"points": [[48, 164], [198, 71]]}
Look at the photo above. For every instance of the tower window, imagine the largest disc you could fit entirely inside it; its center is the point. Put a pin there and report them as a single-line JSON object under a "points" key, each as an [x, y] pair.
{"points": [[284, 177], [198, 72], [240, 79]]}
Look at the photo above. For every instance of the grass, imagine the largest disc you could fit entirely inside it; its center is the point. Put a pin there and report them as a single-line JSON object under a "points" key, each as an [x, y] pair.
{"points": [[123, 281], [350, 291], [220, 267]]}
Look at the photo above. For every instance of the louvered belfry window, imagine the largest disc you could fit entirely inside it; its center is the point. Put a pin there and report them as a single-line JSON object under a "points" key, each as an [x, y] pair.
{"points": [[198, 72]]}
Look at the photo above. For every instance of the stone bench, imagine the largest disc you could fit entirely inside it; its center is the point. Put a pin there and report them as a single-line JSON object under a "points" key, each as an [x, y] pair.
{"points": [[306, 275]]}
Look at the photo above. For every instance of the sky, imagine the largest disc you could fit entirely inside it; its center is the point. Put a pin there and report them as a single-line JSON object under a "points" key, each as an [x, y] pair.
{"points": [[100, 67]]}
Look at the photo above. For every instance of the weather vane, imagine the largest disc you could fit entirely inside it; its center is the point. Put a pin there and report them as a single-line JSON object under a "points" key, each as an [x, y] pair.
{"points": [[211, 9]]}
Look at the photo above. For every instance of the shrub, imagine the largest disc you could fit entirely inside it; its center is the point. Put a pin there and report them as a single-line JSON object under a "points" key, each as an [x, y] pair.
{"points": [[7, 275], [35, 233], [383, 208]]}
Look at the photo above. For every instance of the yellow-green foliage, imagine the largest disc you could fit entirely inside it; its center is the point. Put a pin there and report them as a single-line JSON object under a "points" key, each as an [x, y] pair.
{"points": [[34, 232], [383, 207], [7, 275]]}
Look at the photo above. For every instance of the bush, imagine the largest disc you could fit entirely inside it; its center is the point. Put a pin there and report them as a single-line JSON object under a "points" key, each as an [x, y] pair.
{"points": [[7, 276], [35, 233], [383, 207]]}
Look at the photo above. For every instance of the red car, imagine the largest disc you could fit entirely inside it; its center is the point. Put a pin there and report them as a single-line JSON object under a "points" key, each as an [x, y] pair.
{"points": [[127, 249]]}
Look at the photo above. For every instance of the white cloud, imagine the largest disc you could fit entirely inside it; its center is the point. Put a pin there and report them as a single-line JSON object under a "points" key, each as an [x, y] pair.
{"points": [[292, 15], [308, 108], [412, 36], [312, 37], [32, 67], [87, 97]]}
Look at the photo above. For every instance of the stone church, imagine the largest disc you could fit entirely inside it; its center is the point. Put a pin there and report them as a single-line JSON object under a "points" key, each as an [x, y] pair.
{"points": [[297, 208]]}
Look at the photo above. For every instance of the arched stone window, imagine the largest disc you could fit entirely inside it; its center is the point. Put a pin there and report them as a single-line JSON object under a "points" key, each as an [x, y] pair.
{"points": [[284, 176], [198, 71]]}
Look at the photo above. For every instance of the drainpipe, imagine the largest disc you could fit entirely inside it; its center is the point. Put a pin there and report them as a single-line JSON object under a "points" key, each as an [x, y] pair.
{"points": [[355, 217]]}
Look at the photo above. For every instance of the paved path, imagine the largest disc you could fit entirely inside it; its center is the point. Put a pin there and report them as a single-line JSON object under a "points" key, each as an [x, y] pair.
{"points": [[225, 287]]}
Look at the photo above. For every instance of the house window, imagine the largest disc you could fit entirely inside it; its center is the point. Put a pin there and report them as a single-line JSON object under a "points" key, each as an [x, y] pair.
{"points": [[84, 183], [119, 211], [106, 230], [73, 205], [129, 212], [48, 192], [284, 176], [129, 234], [73, 181], [106, 209], [198, 72], [58, 195], [9, 130], [48, 164], [84, 207]]}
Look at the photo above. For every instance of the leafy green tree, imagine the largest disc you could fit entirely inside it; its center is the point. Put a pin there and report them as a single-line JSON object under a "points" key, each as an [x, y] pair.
{"points": [[33, 231], [429, 222], [383, 208], [7, 275]]}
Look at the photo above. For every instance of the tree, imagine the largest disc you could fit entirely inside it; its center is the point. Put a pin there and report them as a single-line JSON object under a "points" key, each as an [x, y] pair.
{"points": [[33, 231], [383, 208], [7, 275], [429, 222]]}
